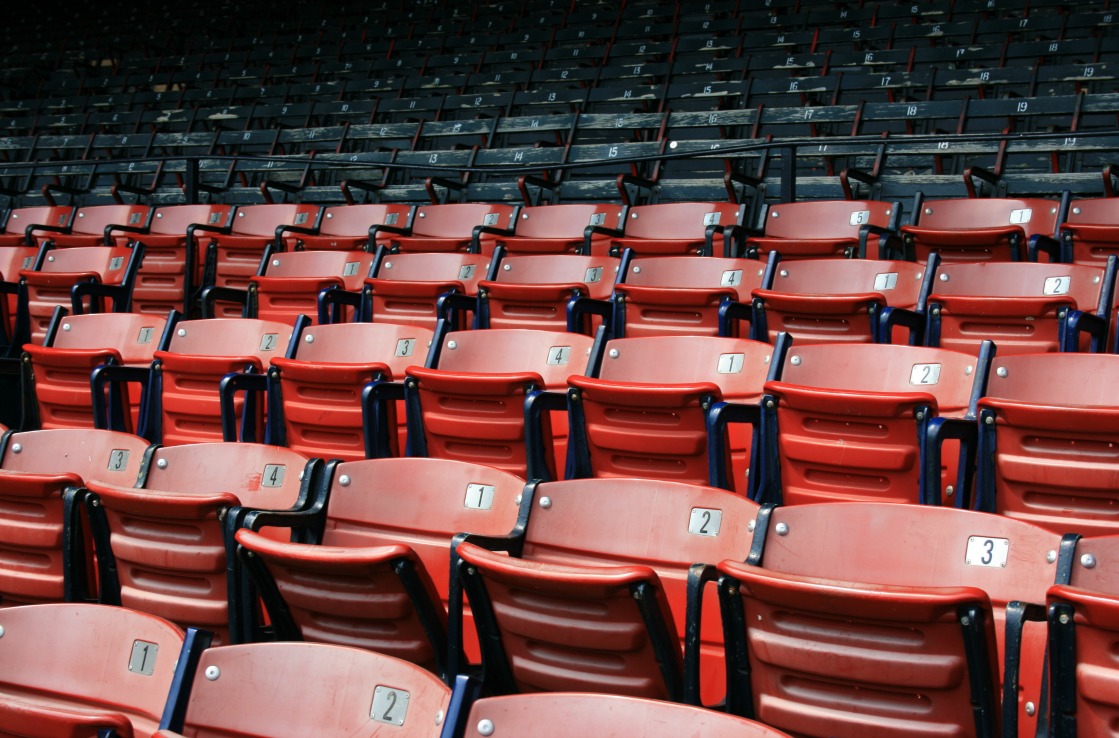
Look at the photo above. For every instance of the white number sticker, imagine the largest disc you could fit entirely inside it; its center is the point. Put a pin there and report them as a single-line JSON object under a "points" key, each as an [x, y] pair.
{"points": [[116, 263], [351, 268], [731, 278], [597, 219], [1023, 215], [860, 217], [987, 551], [489, 219], [1056, 285]]}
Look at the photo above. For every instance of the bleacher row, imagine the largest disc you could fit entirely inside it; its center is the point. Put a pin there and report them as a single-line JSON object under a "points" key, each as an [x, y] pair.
{"points": [[755, 357]]}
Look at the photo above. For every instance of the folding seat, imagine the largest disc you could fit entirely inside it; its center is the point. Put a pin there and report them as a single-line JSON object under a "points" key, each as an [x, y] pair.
{"points": [[18, 222], [98, 225], [348, 227], [867, 422], [1046, 424], [406, 288], [605, 715], [659, 408], [980, 229], [234, 251], [87, 670], [46, 555], [355, 692], [451, 227], [57, 392], [583, 603], [288, 284], [164, 544], [1023, 307], [81, 279], [184, 382], [670, 295], [826, 228], [1090, 231], [839, 300], [676, 228], [378, 576], [171, 272], [827, 635], [486, 398], [545, 291], [563, 228], [13, 259], [315, 393]]}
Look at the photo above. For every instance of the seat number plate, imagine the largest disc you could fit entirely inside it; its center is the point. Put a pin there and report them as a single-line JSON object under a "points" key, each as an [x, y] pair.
{"points": [[705, 521], [390, 705], [987, 551]]}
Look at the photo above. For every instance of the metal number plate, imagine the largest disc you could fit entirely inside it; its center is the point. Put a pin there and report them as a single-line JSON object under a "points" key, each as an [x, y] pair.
{"points": [[705, 521], [300, 218], [390, 705], [268, 341], [987, 551], [146, 335], [731, 363], [559, 355], [134, 218], [351, 268], [860, 217], [886, 281], [273, 475], [142, 659], [489, 219], [1020, 216], [925, 374], [597, 219], [1056, 285], [405, 347], [731, 278], [479, 496], [391, 218], [467, 271], [118, 459], [28, 262], [594, 274], [711, 218], [116, 263], [215, 218]]}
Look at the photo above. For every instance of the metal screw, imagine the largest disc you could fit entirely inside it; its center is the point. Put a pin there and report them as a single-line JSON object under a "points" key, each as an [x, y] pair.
{"points": [[1002, 372], [17, 448], [614, 353], [989, 419], [452, 345], [545, 502], [344, 480], [1030, 709], [750, 526], [485, 727], [161, 463], [1051, 556], [66, 326], [794, 360], [1063, 617], [309, 338], [782, 529], [182, 332], [212, 673], [965, 621], [1088, 561]]}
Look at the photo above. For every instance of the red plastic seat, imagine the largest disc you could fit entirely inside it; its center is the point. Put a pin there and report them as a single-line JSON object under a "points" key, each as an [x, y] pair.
{"points": [[56, 375], [287, 690], [347, 227], [184, 391], [851, 422], [486, 399], [537, 290], [405, 288], [1022, 307], [835, 300], [78, 669], [233, 252], [318, 388], [891, 620], [647, 411], [979, 229], [1047, 429], [162, 543], [558, 715], [18, 221], [1090, 232], [661, 295], [562, 229], [677, 228], [94, 225], [171, 273], [13, 259], [378, 577], [451, 227], [79, 279], [826, 229], [44, 556], [604, 593]]}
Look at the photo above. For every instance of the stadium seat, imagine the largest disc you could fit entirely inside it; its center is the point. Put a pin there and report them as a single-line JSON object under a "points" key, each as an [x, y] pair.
{"points": [[1090, 231], [87, 670], [980, 229], [80, 279], [98, 225], [349, 227], [563, 228], [677, 228], [378, 576], [489, 396], [661, 407], [284, 690], [13, 259], [57, 392], [19, 224], [451, 227], [838, 300], [1045, 427], [164, 544], [667, 295], [866, 422], [829, 636], [824, 228], [558, 715], [315, 393], [583, 602], [47, 554]]}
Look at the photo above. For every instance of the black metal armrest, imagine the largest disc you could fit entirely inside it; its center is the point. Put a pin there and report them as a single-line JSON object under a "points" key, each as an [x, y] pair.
{"points": [[285, 187], [451, 306], [536, 404], [476, 236], [733, 310], [983, 175], [699, 576], [214, 294], [890, 317], [107, 405], [29, 240], [578, 308], [625, 181], [374, 397], [1079, 322], [357, 184], [331, 300], [228, 388], [146, 228], [284, 230], [720, 415], [1039, 244], [1017, 615], [450, 185], [530, 180], [385, 228], [966, 431], [889, 243], [734, 240], [120, 295], [846, 176]]}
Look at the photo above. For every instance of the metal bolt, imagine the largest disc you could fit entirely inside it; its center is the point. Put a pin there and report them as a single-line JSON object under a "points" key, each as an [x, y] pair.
{"points": [[182, 332], [965, 621], [782, 529], [920, 415], [949, 491], [769, 404], [1088, 561], [784, 272], [936, 311], [1063, 618], [1, 631], [967, 371], [545, 502], [66, 326], [485, 727], [517, 500], [17, 448], [275, 262], [309, 338], [614, 353], [212, 673], [388, 265], [943, 277], [1002, 372], [452, 345], [1051, 556], [794, 360], [1030, 709], [507, 267], [989, 419], [161, 463], [439, 718], [344, 480], [637, 270], [751, 525]]}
